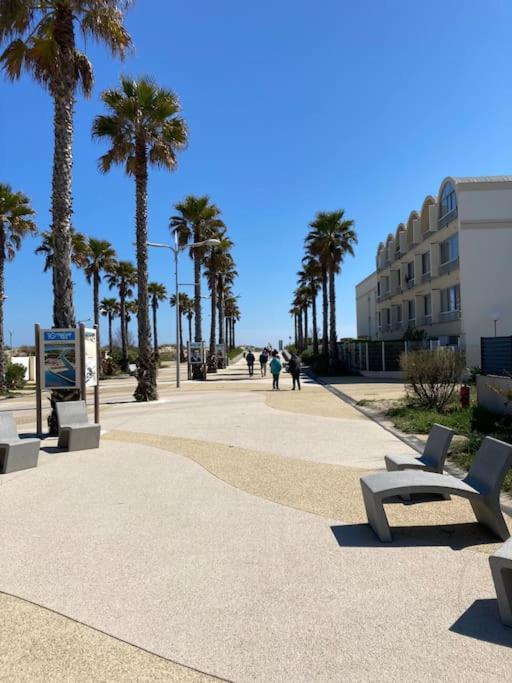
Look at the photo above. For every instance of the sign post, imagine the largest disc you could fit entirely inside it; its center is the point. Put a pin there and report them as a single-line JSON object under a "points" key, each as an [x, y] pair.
{"points": [[39, 407]]}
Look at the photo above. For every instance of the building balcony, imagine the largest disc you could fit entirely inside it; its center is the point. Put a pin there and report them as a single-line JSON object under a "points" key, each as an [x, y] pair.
{"points": [[409, 284], [426, 277], [447, 316], [445, 268], [425, 321]]}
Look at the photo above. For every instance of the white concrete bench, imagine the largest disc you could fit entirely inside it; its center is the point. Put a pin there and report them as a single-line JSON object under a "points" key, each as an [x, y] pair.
{"points": [[433, 457], [481, 487], [76, 433], [501, 568], [15, 454]]}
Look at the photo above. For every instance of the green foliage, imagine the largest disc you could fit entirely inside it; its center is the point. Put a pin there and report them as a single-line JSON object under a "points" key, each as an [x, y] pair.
{"points": [[414, 334], [473, 372], [433, 375], [166, 356], [117, 356], [233, 353], [15, 376]]}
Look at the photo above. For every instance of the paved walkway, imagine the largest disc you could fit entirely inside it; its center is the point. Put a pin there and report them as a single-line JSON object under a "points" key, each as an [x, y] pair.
{"points": [[221, 531]]}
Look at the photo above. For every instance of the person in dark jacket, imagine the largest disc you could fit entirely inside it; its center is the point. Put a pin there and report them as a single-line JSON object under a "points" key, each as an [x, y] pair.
{"points": [[263, 362], [250, 358], [294, 370]]}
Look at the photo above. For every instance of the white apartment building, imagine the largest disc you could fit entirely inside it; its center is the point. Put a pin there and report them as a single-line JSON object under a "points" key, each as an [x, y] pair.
{"points": [[447, 271]]}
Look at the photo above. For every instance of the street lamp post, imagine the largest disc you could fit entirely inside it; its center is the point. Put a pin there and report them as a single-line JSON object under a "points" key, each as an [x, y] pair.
{"points": [[176, 249]]}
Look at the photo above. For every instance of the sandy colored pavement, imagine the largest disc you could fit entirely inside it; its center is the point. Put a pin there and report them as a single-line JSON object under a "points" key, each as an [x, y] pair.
{"points": [[365, 389], [222, 529]]}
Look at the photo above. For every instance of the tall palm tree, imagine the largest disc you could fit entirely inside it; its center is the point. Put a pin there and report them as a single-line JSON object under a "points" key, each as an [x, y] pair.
{"points": [[197, 219], [310, 276], [123, 276], [183, 299], [78, 252], [143, 128], [40, 39], [294, 312], [16, 222], [232, 315], [157, 293], [225, 280], [217, 260], [313, 254], [110, 309], [331, 238], [100, 256], [187, 306]]}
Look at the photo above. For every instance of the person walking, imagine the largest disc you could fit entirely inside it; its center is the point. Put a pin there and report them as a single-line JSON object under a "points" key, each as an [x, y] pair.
{"points": [[250, 358], [275, 368], [263, 362], [294, 370]]}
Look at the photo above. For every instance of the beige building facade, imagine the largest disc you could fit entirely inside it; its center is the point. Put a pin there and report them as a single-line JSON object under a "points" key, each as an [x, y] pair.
{"points": [[447, 270]]}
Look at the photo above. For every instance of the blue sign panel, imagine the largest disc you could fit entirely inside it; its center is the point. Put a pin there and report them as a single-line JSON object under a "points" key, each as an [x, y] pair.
{"points": [[59, 359]]}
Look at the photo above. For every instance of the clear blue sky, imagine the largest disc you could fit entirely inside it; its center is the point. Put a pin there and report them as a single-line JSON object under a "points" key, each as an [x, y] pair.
{"points": [[293, 107]]}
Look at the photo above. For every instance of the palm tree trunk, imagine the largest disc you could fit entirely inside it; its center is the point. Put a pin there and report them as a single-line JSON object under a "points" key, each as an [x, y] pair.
{"points": [[332, 320], [301, 331], [62, 88], [96, 297], [110, 333], [325, 313], [124, 340], [154, 304], [189, 316], [234, 339], [146, 374], [295, 330], [313, 313], [213, 292], [305, 327], [198, 333], [221, 310], [182, 350], [2, 292]]}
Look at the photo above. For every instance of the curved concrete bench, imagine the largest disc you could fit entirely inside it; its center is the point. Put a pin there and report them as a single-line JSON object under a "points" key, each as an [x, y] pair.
{"points": [[501, 569], [433, 457], [15, 454], [481, 487], [75, 431]]}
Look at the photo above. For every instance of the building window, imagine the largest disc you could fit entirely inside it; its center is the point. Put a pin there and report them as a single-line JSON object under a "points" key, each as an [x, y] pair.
{"points": [[448, 202], [425, 263], [411, 309], [380, 319], [450, 299], [450, 249], [410, 271], [398, 313], [399, 277], [378, 288], [387, 316], [427, 305]]}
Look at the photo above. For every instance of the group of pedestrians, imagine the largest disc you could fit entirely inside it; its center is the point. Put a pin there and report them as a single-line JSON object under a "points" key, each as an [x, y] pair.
{"points": [[276, 367]]}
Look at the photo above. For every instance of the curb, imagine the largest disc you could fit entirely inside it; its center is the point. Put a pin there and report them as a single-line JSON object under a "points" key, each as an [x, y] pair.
{"points": [[409, 440]]}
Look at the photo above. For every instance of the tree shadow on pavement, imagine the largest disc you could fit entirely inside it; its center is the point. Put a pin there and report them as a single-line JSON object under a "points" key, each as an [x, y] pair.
{"points": [[454, 536], [481, 621]]}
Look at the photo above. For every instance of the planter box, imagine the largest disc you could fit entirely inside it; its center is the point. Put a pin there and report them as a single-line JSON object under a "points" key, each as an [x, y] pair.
{"points": [[487, 388]]}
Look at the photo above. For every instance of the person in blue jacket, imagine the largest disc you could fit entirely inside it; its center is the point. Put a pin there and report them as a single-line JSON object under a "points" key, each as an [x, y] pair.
{"points": [[275, 368]]}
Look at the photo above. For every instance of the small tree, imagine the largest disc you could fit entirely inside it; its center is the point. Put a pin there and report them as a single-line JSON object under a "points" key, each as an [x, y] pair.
{"points": [[433, 375]]}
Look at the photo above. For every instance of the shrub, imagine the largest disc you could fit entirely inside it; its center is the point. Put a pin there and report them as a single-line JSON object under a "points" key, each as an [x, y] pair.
{"points": [[433, 375], [306, 356], [15, 376], [117, 356], [233, 353]]}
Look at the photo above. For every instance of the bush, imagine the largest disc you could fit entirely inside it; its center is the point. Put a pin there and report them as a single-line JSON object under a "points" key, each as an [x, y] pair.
{"points": [[15, 376], [306, 356], [233, 353], [433, 375], [117, 356]]}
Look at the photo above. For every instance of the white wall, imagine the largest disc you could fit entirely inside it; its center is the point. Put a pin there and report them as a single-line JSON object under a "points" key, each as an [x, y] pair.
{"points": [[486, 282], [366, 307], [484, 204]]}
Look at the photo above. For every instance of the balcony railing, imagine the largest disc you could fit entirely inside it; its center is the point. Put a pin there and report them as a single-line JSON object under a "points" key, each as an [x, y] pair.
{"points": [[448, 266], [425, 277], [409, 283], [446, 316], [425, 320]]}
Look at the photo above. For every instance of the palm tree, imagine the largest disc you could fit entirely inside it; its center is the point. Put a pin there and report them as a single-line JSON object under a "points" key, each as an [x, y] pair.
{"points": [[110, 309], [187, 307], [294, 312], [232, 315], [78, 252], [16, 222], [331, 238], [310, 276], [143, 128], [217, 260], [158, 293], [197, 220], [123, 276], [42, 42], [99, 257], [184, 301], [225, 280]]}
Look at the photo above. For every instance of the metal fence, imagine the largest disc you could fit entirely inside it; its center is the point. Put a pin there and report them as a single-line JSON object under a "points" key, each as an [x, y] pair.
{"points": [[379, 356], [496, 353]]}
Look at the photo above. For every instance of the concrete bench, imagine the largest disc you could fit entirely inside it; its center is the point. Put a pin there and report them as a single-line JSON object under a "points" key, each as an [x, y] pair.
{"points": [[501, 569], [76, 433], [433, 457], [481, 487], [15, 454]]}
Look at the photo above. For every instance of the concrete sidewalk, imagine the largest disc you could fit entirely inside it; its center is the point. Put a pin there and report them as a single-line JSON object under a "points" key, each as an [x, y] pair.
{"points": [[228, 536]]}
